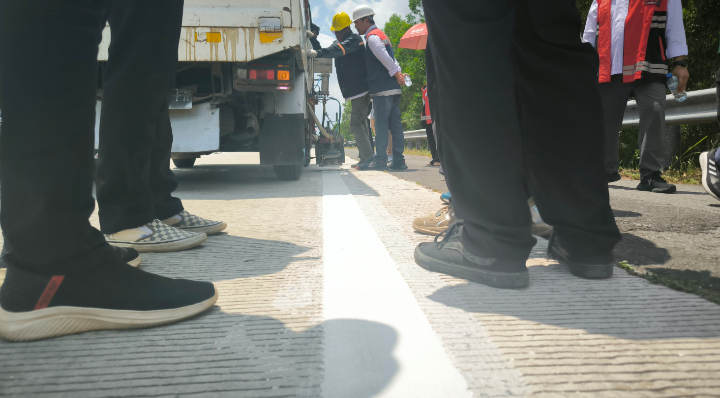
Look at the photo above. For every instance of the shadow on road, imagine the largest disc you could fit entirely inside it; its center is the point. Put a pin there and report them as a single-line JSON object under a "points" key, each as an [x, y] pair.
{"points": [[621, 307], [639, 251], [263, 338], [610, 186], [625, 213]]}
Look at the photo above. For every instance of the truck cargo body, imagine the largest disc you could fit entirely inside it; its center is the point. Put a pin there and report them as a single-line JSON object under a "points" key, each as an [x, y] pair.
{"points": [[242, 82]]}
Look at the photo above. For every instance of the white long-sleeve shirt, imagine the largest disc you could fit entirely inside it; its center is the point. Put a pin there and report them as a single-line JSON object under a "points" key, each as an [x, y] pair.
{"points": [[378, 49], [674, 31]]}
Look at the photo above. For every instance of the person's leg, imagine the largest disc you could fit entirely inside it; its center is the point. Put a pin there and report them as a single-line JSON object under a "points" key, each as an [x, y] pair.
{"points": [[135, 136], [62, 277], [431, 142], [390, 141], [359, 127], [557, 80], [370, 136], [650, 97], [398, 139], [381, 109], [480, 158], [48, 133], [614, 96], [162, 181]]}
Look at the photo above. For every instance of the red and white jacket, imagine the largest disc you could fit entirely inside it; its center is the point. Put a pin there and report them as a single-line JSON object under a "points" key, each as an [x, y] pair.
{"points": [[635, 33]]}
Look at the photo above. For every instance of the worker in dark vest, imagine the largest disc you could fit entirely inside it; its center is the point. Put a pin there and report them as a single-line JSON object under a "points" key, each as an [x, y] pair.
{"points": [[384, 78], [349, 57], [634, 40], [426, 122]]}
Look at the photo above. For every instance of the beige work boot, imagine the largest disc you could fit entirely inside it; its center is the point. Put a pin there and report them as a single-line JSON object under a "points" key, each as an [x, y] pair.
{"points": [[192, 223], [436, 223], [161, 239], [539, 227]]}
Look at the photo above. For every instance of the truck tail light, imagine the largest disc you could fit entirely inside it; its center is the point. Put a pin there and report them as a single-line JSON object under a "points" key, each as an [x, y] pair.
{"points": [[283, 75], [255, 74]]}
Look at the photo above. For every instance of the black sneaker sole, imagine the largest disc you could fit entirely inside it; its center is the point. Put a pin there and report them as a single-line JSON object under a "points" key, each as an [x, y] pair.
{"points": [[704, 166], [502, 280], [403, 167], [586, 271], [62, 321]]}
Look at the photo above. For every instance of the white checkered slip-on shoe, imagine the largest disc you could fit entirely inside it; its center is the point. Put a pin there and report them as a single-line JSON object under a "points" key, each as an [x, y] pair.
{"points": [[193, 223], [164, 238]]}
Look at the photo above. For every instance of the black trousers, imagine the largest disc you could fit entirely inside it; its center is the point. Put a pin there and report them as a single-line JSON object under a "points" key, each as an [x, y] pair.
{"points": [[432, 145], [532, 114], [48, 75], [134, 180]]}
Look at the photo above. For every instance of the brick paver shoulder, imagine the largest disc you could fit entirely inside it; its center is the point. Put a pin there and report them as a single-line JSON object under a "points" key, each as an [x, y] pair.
{"points": [[562, 336]]}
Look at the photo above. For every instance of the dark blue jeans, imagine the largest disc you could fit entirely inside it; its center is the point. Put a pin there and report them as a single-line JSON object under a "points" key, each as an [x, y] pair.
{"points": [[387, 122]]}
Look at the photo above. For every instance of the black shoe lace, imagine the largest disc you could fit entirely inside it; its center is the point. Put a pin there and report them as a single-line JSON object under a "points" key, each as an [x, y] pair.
{"points": [[447, 234]]}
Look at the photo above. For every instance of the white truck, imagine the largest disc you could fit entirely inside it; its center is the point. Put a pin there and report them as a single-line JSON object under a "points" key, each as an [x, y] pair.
{"points": [[242, 83]]}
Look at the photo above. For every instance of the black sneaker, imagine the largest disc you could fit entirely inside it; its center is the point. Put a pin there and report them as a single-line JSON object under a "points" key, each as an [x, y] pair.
{"points": [[360, 165], [355, 165], [591, 268], [710, 180], [655, 183], [613, 177], [374, 165], [450, 257], [398, 165], [128, 255], [115, 296]]}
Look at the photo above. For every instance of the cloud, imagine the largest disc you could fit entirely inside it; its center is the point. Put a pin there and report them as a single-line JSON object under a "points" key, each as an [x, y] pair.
{"points": [[384, 9], [325, 40]]}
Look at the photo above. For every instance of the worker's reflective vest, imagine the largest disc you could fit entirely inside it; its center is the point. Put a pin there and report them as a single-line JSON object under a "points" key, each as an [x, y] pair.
{"points": [[425, 117], [644, 42], [377, 75]]}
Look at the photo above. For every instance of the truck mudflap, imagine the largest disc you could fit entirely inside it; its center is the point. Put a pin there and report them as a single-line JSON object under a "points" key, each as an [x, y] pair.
{"points": [[282, 141]]}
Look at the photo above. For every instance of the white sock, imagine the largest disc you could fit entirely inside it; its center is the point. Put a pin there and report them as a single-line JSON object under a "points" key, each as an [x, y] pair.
{"points": [[177, 217], [146, 229]]}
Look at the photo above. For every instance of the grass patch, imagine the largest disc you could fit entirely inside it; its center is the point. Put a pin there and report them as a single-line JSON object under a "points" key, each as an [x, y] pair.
{"points": [[691, 176], [702, 288], [418, 152]]}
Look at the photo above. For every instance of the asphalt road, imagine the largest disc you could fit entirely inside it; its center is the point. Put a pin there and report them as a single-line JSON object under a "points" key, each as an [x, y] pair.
{"points": [[664, 233]]}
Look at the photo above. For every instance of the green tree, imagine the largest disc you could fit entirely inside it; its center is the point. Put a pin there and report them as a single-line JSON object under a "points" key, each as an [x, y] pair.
{"points": [[344, 128]]}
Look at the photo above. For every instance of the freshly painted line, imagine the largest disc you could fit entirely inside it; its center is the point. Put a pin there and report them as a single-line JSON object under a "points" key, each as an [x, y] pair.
{"points": [[377, 341]]}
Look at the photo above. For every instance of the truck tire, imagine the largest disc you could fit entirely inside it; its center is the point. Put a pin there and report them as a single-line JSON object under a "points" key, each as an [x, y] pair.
{"points": [[184, 163], [289, 172]]}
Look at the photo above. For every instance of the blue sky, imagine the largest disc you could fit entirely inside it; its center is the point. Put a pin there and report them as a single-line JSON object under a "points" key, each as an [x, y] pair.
{"points": [[322, 14]]}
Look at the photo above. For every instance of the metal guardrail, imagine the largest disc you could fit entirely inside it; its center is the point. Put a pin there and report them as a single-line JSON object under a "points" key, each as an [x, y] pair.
{"points": [[699, 107]]}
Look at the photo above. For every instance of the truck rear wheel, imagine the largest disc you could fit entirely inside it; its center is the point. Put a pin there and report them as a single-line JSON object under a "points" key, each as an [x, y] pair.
{"points": [[289, 172], [184, 163]]}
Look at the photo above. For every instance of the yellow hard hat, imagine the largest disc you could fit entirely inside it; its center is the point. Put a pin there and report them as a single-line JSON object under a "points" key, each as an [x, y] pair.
{"points": [[340, 22]]}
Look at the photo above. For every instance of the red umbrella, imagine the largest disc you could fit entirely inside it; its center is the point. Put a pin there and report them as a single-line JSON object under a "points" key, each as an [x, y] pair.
{"points": [[415, 38]]}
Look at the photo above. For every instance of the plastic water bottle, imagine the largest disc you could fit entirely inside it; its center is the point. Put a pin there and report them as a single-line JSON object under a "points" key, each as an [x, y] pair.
{"points": [[672, 83], [408, 82]]}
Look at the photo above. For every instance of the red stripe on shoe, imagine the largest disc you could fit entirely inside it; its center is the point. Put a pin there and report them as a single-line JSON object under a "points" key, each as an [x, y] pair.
{"points": [[49, 292]]}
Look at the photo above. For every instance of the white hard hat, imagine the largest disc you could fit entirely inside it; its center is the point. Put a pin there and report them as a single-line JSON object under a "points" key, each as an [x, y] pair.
{"points": [[362, 11]]}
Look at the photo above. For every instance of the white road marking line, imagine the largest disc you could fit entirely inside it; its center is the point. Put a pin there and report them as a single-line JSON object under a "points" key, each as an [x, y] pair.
{"points": [[377, 341]]}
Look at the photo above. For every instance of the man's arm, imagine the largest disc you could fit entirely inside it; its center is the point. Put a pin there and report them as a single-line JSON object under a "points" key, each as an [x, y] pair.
{"points": [[334, 51], [591, 25], [677, 48], [378, 49], [352, 44]]}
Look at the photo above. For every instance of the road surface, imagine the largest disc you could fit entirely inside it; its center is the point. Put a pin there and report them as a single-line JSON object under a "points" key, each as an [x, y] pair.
{"points": [[320, 297]]}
